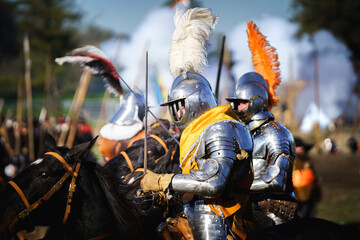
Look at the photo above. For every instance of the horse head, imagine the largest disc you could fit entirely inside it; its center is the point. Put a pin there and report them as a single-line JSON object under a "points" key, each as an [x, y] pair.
{"points": [[67, 188], [22, 200]]}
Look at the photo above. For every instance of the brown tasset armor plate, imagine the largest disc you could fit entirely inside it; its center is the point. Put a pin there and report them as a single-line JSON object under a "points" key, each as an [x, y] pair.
{"points": [[281, 208]]}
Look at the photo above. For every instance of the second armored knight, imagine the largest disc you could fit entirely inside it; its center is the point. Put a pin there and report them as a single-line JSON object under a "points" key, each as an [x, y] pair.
{"points": [[274, 149]]}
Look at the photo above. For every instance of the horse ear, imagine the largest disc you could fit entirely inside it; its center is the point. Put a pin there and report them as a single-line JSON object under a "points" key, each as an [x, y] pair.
{"points": [[49, 142], [82, 150], [92, 142]]}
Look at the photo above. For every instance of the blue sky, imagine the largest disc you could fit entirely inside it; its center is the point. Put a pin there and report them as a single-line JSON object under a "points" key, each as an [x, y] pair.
{"points": [[123, 16]]}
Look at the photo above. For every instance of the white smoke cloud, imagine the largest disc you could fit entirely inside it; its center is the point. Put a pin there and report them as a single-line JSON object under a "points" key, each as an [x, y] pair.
{"points": [[153, 36], [313, 115], [336, 75], [335, 72]]}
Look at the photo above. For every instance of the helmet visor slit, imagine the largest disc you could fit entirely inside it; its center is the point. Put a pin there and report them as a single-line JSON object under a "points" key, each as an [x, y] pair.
{"points": [[179, 108], [174, 113]]}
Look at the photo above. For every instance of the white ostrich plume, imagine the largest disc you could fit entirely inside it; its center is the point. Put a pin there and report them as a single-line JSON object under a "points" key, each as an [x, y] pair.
{"points": [[191, 34]]}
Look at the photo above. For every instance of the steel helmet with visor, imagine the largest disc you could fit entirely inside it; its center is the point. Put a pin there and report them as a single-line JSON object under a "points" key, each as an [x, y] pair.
{"points": [[252, 88], [189, 98]]}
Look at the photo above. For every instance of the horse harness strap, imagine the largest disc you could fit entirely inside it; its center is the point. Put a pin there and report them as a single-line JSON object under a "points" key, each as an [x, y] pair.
{"points": [[56, 187], [128, 161], [142, 170], [72, 185], [62, 160], [127, 158], [21, 194], [72, 188], [30, 208], [163, 144]]}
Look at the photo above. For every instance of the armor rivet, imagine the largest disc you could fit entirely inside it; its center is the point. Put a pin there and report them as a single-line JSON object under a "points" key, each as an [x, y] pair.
{"points": [[197, 86]]}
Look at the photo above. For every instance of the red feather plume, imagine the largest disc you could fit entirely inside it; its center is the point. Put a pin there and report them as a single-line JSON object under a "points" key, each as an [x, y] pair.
{"points": [[98, 63], [265, 60]]}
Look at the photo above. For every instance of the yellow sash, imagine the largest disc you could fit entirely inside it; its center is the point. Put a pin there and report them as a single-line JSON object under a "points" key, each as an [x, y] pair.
{"points": [[192, 132]]}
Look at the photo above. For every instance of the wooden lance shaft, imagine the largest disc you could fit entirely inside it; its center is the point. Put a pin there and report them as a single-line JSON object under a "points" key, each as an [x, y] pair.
{"points": [[29, 98], [146, 111], [84, 84], [18, 118]]}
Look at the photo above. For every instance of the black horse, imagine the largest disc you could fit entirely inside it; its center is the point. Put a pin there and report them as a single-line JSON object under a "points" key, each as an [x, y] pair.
{"points": [[67, 189]]}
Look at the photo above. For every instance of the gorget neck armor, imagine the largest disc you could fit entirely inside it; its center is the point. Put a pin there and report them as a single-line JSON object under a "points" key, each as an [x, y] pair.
{"points": [[259, 119]]}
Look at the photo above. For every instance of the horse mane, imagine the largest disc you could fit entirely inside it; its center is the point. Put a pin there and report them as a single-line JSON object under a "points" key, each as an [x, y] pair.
{"points": [[126, 217], [169, 162], [157, 129]]}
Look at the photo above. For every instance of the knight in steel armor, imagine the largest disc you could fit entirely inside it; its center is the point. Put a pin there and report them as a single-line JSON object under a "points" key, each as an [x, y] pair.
{"points": [[215, 155], [274, 149], [124, 127]]}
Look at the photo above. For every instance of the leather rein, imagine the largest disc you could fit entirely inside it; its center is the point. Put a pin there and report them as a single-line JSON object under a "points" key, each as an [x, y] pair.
{"points": [[70, 171]]}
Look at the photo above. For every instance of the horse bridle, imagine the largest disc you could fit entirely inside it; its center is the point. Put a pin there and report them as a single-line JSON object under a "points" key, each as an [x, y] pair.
{"points": [[73, 171], [127, 158]]}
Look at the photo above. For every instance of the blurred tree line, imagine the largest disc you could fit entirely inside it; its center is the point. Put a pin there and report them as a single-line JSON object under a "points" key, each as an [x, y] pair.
{"points": [[341, 18], [53, 28]]}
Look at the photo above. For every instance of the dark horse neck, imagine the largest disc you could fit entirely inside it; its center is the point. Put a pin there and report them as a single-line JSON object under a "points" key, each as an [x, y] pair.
{"points": [[94, 217], [99, 208]]}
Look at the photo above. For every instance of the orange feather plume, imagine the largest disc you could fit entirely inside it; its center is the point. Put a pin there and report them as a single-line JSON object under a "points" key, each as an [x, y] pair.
{"points": [[265, 60]]}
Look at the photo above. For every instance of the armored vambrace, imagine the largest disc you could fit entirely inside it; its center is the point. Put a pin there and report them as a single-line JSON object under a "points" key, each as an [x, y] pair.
{"points": [[208, 182], [273, 157], [272, 178], [216, 156]]}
